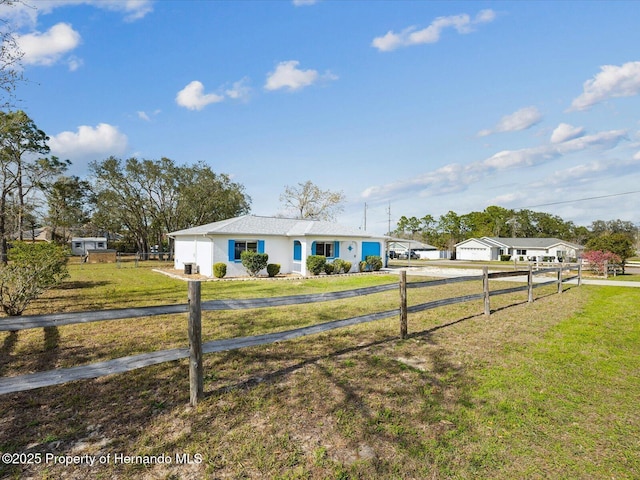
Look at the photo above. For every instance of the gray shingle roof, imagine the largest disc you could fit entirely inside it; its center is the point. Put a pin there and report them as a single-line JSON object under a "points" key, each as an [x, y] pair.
{"points": [[256, 225], [531, 242]]}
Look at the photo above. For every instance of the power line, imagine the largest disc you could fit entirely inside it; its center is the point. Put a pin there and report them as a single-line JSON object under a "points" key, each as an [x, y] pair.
{"points": [[579, 200]]}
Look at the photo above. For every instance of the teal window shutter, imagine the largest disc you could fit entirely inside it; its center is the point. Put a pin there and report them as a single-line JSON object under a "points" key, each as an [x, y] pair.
{"points": [[232, 250], [336, 249], [313, 248], [260, 246], [297, 250]]}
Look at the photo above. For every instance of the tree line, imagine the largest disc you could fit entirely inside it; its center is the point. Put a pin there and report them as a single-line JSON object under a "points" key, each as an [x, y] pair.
{"points": [[134, 201], [494, 221]]}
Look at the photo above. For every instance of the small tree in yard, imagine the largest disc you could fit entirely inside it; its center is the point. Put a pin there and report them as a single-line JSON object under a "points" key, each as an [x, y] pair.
{"points": [[32, 269], [254, 262], [598, 259], [617, 243]]}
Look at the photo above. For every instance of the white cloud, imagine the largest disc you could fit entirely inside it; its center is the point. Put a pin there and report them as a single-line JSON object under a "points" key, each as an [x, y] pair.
{"points": [[88, 142], [142, 115], [48, 48], [302, 3], [564, 132], [636, 156], [612, 81], [240, 90], [456, 177], [193, 97], [412, 36], [520, 120], [287, 75]]}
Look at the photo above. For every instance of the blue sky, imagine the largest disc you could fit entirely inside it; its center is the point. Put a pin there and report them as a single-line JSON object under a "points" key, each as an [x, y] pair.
{"points": [[423, 106]]}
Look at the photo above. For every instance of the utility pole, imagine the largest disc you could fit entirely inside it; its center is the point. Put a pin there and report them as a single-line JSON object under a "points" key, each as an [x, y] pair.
{"points": [[389, 217], [365, 216]]}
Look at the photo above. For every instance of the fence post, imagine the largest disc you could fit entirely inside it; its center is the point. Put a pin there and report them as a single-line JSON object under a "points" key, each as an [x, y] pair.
{"points": [[403, 304], [606, 269], [196, 383], [485, 290], [530, 284], [580, 272], [560, 279]]}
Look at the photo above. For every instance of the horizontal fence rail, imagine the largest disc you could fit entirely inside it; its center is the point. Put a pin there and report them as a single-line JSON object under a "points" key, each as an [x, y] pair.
{"points": [[197, 348], [70, 318]]}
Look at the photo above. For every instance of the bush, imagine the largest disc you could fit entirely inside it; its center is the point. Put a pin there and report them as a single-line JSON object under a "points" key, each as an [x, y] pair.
{"points": [[338, 266], [219, 270], [329, 268], [374, 262], [32, 269], [254, 262], [362, 266], [273, 269], [315, 264], [346, 266], [505, 258]]}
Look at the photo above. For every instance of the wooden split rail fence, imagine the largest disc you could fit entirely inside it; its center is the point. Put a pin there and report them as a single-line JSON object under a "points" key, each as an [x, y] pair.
{"points": [[195, 307]]}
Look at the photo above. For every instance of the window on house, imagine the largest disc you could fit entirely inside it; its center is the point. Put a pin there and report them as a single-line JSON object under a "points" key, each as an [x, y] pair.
{"points": [[78, 244], [100, 244], [521, 252], [242, 245], [324, 248]]}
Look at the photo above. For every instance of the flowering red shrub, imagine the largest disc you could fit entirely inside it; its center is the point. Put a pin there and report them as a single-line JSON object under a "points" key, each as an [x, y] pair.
{"points": [[598, 258]]}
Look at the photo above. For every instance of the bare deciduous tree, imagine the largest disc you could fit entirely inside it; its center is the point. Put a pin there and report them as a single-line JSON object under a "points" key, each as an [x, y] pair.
{"points": [[308, 201]]}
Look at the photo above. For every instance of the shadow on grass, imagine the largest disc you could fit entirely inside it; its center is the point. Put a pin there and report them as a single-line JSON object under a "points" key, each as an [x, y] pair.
{"points": [[7, 348], [269, 377]]}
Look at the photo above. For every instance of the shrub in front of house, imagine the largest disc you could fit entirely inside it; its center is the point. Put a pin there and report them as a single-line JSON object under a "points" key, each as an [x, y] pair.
{"points": [[374, 263], [254, 262], [273, 269], [329, 268], [316, 263], [219, 270], [505, 258], [338, 266], [346, 266]]}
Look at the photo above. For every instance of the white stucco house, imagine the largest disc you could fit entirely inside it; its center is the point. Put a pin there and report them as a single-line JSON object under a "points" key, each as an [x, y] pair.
{"points": [[288, 242], [525, 249]]}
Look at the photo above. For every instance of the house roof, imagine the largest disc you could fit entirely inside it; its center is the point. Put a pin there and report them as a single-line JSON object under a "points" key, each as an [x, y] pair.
{"points": [[290, 227], [532, 242], [523, 243], [413, 244], [487, 242]]}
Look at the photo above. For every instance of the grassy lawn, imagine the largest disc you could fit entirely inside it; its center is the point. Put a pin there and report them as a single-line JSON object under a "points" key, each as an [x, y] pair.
{"points": [[542, 390]]}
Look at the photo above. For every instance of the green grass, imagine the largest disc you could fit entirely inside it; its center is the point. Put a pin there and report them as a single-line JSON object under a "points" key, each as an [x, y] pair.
{"points": [[541, 390]]}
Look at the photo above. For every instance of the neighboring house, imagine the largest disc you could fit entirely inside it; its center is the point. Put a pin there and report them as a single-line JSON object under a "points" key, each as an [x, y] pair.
{"points": [[81, 245], [525, 249], [424, 251], [288, 242], [44, 234]]}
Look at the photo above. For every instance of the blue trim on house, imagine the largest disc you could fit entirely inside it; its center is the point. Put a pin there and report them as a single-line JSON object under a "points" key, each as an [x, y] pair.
{"points": [[336, 249], [370, 248], [297, 250], [232, 250], [260, 246]]}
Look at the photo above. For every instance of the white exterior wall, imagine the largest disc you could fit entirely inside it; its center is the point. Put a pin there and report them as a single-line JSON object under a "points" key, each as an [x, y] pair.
{"points": [[204, 251], [195, 249], [473, 250], [433, 254]]}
